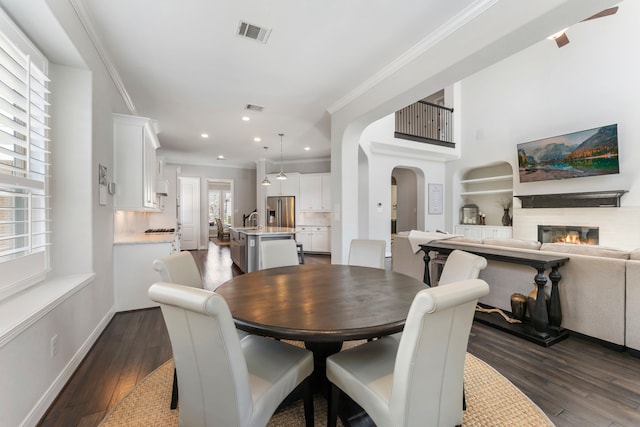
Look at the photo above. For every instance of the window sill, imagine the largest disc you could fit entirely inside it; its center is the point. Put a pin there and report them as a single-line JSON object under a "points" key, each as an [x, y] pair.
{"points": [[20, 311]]}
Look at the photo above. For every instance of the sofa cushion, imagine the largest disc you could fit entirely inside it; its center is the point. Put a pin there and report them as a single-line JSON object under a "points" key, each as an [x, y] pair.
{"points": [[635, 254], [590, 250], [514, 243]]}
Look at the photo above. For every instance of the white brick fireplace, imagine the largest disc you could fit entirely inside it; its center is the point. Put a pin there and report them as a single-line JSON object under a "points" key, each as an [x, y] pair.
{"points": [[619, 226]]}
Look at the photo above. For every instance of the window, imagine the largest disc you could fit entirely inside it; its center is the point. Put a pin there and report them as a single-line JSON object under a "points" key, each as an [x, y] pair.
{"points": [[220, 202], [25, 218]]}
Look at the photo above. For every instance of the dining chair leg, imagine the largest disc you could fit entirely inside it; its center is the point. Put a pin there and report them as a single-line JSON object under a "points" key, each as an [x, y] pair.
{"points": [[307, 397], [464, 400], [332, 410], [174, 392]]}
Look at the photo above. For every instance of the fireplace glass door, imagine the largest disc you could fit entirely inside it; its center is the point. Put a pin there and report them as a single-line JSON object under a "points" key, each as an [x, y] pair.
{"points": [[579, 235]]}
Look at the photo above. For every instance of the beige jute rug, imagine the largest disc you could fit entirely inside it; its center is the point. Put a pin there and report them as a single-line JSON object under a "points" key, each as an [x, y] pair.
{"points": [[492, 400]]}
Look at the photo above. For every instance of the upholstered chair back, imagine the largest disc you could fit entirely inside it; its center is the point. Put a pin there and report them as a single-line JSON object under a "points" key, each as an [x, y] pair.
{"points": [[461, 265], [179, 268], [278, 253], [367, 253], [429, 367], [213, 378]]}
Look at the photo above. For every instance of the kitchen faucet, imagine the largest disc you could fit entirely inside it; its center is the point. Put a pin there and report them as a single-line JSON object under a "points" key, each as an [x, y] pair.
{"points": [[256, 217]]}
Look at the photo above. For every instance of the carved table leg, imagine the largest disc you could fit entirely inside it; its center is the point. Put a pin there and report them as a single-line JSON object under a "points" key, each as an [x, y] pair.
{"points": [[540, 317], [555, 311], [426, 277]]}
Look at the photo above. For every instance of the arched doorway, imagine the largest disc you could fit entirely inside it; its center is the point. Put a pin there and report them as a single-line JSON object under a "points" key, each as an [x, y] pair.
{"points": [[406, 199]]}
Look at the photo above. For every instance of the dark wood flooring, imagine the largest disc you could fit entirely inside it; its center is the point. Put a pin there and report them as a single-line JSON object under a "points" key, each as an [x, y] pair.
{"points": [[576, 382]]}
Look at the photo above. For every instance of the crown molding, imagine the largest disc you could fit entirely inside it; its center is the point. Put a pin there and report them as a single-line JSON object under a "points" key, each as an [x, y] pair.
{"points": [[84, 19], [467, 15]]}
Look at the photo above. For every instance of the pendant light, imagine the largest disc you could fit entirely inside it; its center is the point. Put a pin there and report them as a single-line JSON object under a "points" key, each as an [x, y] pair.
{"points": [[281, 174], [265, 181]]}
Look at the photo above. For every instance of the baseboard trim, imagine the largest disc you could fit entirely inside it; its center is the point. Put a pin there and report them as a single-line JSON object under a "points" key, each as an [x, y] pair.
{"points": [[43, 404]]}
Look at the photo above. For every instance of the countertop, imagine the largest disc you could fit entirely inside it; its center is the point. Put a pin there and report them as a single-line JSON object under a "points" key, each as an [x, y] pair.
{"points": [[142, 238], [256, 231]]}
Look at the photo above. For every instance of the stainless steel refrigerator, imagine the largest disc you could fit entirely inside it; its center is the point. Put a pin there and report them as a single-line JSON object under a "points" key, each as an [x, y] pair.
{"points": [[281, 211]]}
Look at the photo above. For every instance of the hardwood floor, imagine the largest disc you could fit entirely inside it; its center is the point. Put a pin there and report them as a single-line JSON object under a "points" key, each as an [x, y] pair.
{"points": [[576, 382]]}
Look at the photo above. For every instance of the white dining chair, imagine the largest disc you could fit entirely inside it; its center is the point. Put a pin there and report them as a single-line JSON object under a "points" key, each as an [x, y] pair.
{"points": [[367, 253], [417, 380], [179, 268], [225, 381], [461, 265], [278, 253]]}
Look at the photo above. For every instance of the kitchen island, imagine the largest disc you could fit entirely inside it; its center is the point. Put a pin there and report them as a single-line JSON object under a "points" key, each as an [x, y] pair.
{"points": [[245, 244]]}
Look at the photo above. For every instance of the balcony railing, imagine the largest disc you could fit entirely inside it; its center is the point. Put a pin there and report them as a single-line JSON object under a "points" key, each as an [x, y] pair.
{"points": [[426, 122]]}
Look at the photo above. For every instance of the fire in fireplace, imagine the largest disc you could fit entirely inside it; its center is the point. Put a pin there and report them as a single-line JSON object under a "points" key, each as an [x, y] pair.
{"points": [[568, 234]]}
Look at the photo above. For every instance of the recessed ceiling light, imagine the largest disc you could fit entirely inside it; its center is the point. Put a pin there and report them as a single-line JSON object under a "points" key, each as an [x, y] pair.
{"points": [[246, 118], [257, 139], [204, 135], [220, 157], [307, 148]]}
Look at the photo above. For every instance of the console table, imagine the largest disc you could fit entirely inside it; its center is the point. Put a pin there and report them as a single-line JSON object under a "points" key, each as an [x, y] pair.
{"points": [[544, 325]]}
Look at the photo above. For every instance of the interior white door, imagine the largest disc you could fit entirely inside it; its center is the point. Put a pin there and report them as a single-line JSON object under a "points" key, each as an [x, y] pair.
{"points": [[189, 212]]}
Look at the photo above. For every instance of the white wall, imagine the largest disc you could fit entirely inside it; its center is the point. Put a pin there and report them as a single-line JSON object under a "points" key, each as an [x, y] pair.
{"points": [[477, 38], [546, 91], [84, 98], [383, 155]]}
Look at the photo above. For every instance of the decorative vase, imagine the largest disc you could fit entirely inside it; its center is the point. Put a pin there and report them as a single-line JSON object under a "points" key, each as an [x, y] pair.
{"points": [[506, 219], [518, 306]]}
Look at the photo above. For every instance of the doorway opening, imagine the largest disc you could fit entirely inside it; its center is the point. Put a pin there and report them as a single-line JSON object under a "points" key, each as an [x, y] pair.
{"points": [[404, 200], [219, 204]]}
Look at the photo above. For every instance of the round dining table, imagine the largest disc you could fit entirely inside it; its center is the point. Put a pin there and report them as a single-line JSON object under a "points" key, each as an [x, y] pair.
{"points": [[321, 304]]}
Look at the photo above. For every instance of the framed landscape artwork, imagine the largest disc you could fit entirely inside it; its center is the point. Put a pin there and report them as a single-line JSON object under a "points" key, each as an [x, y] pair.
{"points": [[589, 152]]}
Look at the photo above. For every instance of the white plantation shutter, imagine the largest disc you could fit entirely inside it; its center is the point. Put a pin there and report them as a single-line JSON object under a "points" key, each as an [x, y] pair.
{"points": [[25, 217]]}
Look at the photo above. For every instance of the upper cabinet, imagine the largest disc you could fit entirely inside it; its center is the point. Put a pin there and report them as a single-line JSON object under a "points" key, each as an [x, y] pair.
{"points": [[315, 192], [135, 165]]}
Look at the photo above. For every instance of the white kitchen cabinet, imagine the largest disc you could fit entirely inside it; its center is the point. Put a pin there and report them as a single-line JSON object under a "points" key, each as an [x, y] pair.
{"points": [[133, 273], [135, 166], [314, 238], [326, 192], [315, 192], [482, 232]]}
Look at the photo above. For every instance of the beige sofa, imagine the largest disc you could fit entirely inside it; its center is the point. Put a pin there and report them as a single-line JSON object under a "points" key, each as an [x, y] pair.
{"points": [[599, 289]]}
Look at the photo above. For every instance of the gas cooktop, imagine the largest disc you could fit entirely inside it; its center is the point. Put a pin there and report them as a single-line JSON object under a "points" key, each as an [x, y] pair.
{"points": [[160, 230]]}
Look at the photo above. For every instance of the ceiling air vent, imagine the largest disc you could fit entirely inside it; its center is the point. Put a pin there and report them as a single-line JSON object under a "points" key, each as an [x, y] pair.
{"points": [[253, 32], [252, 107]]}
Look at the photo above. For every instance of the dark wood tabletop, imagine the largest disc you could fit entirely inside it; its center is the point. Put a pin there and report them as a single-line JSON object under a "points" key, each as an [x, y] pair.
{"points": [[321, 302]]}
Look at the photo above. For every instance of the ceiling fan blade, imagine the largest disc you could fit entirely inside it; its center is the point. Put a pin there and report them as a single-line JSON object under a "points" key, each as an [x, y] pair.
{"points": [[603, 13], [562, 40]]}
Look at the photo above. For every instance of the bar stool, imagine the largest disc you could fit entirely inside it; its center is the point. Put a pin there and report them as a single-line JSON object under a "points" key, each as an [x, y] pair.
{"points": [[300, 252]]}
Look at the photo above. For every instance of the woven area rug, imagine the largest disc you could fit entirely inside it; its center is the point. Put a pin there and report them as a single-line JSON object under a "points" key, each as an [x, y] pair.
{"points": [[492, 400]]}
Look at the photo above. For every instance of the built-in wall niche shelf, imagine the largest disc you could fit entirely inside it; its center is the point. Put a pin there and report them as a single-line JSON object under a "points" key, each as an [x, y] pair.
{"points": [[477, 187], [595, 199], [488, 179], [489, 187]]}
